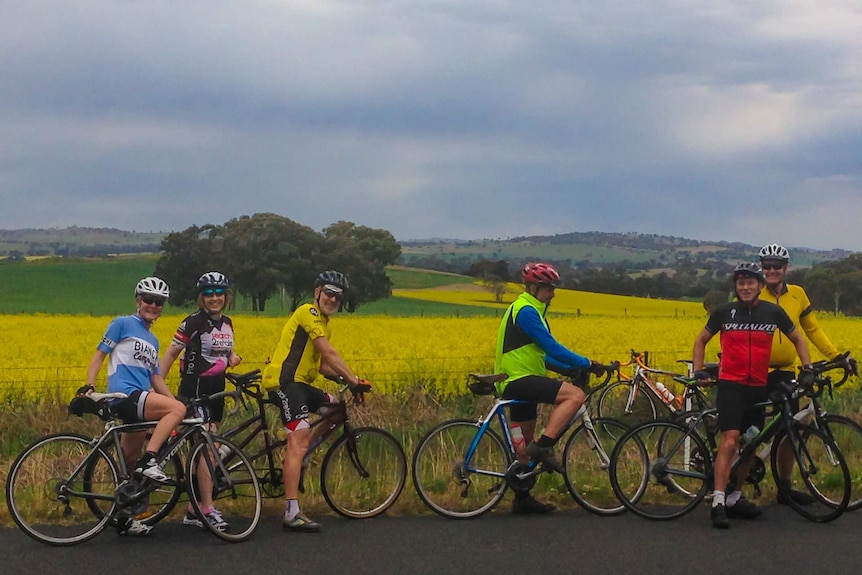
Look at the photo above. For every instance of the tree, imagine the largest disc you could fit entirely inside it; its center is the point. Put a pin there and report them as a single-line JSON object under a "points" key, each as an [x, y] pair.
{"points": [[714, 298], [493, 276], [186, 255], [362, 254]]}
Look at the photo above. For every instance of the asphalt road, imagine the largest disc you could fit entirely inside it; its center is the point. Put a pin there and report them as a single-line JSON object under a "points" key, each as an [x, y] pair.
{"points": [[565, 542]]}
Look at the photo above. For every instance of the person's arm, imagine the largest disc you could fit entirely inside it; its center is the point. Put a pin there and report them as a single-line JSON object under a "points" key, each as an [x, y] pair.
{"points": [[234, 359], [331, 362], [95, 366], [557, 354], [159, 385], [168, 359], [818, 337], [699, 351], [801, 347]]}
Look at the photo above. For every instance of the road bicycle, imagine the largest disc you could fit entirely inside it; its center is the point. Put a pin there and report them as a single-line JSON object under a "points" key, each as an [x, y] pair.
{"points": [[664, 469], [644, 397], [462, 467], [364, 470], [65, 488]]}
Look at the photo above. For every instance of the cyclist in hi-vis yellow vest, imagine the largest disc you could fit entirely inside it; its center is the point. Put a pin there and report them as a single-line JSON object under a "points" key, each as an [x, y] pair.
{"points": [[526, 350]]}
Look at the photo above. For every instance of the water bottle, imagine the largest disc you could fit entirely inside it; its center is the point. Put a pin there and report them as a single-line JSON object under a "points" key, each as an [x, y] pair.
{"points": [[223, 451], [667, 394], [749, 435], [517, 437]]}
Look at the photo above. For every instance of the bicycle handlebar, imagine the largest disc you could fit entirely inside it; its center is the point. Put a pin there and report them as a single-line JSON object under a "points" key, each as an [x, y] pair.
{"points": [[843, 362]]}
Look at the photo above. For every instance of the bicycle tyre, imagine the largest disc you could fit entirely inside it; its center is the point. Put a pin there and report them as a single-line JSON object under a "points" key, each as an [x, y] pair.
{"points": [[236, 494], [40, 479], [160, 502], [588, 466], [822, 471], [443, 482], [613, 399], [653, 474], [363, 473], [847, 435]]}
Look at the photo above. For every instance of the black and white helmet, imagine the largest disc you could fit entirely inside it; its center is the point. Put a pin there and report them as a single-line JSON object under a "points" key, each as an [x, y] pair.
{"points": [[774, 252], [749, 269], [153, 286], [213, 279], [332, 278]]}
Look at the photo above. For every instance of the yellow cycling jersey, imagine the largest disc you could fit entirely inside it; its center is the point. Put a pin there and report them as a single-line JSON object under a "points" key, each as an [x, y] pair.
{"points": [[795, 302], [295, 358]]}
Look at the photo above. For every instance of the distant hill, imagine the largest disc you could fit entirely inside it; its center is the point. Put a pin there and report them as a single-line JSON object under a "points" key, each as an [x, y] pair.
{"points": [[75, 241], [635, 251]]}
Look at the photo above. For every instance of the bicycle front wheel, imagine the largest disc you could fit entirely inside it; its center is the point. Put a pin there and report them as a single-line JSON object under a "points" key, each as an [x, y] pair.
{"points": [[587, 459], [613, 403], [847, 435], [235, 489], [453, 486], [48, 496], [660, 470], [363, 473], [819, 468]]}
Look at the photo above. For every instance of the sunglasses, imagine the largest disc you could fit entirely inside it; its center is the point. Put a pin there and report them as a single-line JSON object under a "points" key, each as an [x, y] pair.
{"points": [[776, 266], [151, 300], [213, 291], [335, 294]]}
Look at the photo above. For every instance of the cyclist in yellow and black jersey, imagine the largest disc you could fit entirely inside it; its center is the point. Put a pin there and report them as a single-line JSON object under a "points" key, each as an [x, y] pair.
{"points": [[774, 259], [304, 352]]}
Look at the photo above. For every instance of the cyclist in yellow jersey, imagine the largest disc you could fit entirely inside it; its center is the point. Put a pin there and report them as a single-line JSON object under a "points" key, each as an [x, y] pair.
{"points": [[304, 352], [774, 259]]}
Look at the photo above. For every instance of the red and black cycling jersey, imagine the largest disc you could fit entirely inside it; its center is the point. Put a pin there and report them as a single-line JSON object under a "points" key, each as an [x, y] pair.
{"points": [[207, 342], [746, 339]]}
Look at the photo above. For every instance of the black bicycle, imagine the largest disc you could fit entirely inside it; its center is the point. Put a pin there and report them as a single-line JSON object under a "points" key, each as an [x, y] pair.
{"points": [[364, 470], [664, 469], [65, 488]]}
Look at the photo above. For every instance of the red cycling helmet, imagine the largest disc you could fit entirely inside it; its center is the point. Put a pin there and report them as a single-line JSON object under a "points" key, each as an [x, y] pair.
{"points": [[542, 274]]}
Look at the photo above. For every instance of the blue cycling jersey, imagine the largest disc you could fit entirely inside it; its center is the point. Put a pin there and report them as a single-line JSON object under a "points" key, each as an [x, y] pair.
{"points": [[133, 354]]}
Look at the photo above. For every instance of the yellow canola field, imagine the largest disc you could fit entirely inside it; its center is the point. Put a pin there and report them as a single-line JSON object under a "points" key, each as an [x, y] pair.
{"points": [[47, 352], [566, 301]]}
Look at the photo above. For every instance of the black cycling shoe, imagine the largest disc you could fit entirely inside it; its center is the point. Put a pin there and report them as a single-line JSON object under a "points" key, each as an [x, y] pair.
{"points": [[718, 515], [743, 509], [546, 456], [529, 505], [798, 496]]}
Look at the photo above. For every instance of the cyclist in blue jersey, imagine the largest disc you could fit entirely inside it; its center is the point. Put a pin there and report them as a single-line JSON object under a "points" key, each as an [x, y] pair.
{"points": [[526, 350], [133, 368]]}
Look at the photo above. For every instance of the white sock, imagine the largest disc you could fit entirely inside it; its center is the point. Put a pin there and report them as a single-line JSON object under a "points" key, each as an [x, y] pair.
{"points": [[291, 509], [733, 498], [717, 498]]}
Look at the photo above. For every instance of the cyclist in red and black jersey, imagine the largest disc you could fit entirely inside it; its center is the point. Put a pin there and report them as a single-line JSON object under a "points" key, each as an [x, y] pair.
{"points": [[747, 327], [207, 340]]}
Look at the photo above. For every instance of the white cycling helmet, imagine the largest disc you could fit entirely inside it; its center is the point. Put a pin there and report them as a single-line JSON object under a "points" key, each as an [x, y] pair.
{"points": [[774, 252], [212, 279], [153, 286]]}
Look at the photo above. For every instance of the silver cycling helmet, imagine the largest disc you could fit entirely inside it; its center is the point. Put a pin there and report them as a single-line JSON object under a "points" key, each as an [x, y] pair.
{"points": [[213, 279], [153, 286], [774, 252]]}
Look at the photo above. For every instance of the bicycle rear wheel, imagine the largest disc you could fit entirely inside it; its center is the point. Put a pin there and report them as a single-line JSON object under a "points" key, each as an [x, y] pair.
{"points": [[820, 469], [660, 470], [451, 486], [236, 492], [587, 459], [614, 398], [47, 494], [363, 473], [847, 435]]}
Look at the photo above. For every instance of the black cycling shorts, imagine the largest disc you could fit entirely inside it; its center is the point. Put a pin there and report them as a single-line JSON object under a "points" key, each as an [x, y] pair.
{"points": [[734, 402], [131, 409], [198, 386], [297, 400], [533, 388]]}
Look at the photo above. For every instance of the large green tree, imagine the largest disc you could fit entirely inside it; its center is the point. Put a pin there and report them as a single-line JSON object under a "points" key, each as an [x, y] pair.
{"points": [[186, 255]]}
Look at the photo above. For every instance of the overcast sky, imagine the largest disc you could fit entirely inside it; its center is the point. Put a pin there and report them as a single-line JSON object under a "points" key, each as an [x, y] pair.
{"points": [[731, 120]]}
